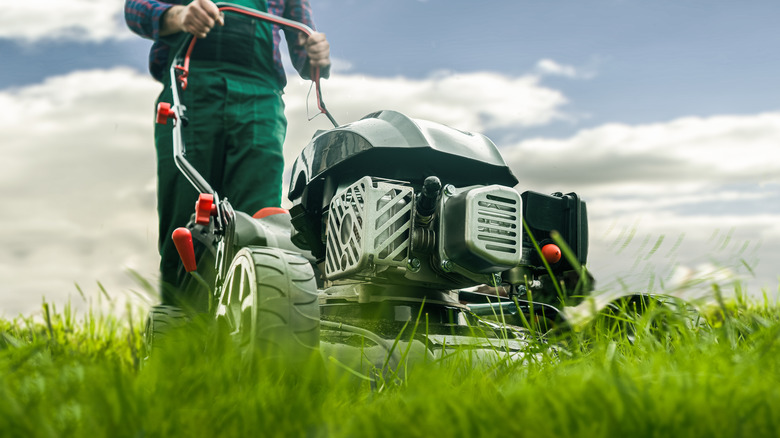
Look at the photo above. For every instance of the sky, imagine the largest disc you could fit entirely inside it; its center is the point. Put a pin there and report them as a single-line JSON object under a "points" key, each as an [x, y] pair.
{"points": [[664, 116]]}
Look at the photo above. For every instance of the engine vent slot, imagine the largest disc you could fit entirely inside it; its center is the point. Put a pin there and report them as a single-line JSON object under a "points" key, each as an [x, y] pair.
{"points": [[498, 223]]}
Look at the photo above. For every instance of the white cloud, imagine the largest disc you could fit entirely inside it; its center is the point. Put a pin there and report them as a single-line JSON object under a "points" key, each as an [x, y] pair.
{"points": [[79, 20], [548, 67], [77, 182], [686, 155]]}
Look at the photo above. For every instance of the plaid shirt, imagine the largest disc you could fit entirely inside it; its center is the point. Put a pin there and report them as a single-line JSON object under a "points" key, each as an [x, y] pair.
{"points": [[144, 18]]}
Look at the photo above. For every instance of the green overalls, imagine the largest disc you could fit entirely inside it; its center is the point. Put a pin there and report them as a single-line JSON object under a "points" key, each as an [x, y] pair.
{"points": [[235, 133]]}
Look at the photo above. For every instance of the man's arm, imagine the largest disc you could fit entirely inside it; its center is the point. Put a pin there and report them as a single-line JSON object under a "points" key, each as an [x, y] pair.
{"points": [[144, 17], [306, 52]]}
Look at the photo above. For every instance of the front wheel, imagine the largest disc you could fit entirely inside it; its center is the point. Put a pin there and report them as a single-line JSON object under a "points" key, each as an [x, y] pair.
{"points": [[269, 303], [161, 322]]}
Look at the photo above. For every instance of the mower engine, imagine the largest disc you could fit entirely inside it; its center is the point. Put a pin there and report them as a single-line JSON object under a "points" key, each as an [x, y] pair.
{"points": [[381, 230], [437, 214]]}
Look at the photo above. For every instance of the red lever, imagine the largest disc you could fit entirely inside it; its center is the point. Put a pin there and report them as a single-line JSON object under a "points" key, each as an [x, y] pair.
{"points": [[182, 238], [551, 253], [204, 208], [164, 113]]}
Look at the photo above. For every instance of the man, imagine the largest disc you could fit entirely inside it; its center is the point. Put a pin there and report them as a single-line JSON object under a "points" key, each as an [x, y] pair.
{"points": [[234, 104]]}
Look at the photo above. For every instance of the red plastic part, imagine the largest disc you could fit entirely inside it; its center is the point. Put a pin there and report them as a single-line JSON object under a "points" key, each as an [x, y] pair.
{"points": [[269, 211], [551, 253], [182, 238], [164, 113], [204, 208]]}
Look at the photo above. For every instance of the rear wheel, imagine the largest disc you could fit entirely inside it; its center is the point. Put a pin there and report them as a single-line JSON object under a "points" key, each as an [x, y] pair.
{"points": [[269, 303]]}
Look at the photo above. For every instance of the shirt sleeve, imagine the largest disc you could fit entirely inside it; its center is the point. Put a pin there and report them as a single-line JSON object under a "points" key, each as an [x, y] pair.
{"points": [[300, 11], [143, 16]]}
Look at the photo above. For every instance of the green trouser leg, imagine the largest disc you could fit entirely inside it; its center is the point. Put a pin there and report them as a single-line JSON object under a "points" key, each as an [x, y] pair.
{"points": [[234, 139]]}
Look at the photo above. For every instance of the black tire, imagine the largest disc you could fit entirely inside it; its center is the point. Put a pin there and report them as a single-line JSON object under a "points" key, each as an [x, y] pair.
{"points": [[269, 302], [160, 322]]}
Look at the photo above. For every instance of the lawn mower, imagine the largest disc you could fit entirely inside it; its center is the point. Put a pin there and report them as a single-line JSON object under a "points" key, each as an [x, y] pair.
{"points": [[401, 231]]}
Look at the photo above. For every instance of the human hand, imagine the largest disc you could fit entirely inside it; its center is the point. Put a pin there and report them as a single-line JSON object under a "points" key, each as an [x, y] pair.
{"points": [[197, 18], [317, 48]]}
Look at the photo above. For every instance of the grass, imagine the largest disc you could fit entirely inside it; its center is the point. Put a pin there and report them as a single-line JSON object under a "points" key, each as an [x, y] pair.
{"points": [[665, 373]]}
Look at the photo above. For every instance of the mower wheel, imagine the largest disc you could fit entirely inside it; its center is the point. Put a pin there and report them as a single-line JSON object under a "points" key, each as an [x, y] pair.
{"points": [[269, 303], [161, 320]]}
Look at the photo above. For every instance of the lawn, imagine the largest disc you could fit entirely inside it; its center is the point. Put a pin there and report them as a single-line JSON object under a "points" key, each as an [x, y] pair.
{"points": [[668, 372]]}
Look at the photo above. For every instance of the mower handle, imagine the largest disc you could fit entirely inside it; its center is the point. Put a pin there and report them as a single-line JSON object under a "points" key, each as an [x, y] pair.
{"points": [[243, 10], [179, 71], [183, 71]]}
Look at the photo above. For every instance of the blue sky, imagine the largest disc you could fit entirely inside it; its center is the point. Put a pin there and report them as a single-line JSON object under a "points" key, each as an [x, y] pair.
{"points": [[714, 57], [664, 115]]}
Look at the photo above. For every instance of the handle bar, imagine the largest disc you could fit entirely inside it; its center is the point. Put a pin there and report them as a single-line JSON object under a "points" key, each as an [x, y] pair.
{"points": [[180, 70], [183, 70]]}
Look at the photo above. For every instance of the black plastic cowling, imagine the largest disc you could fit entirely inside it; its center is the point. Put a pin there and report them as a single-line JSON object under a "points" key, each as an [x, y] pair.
{"points": [[567, 214]]}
